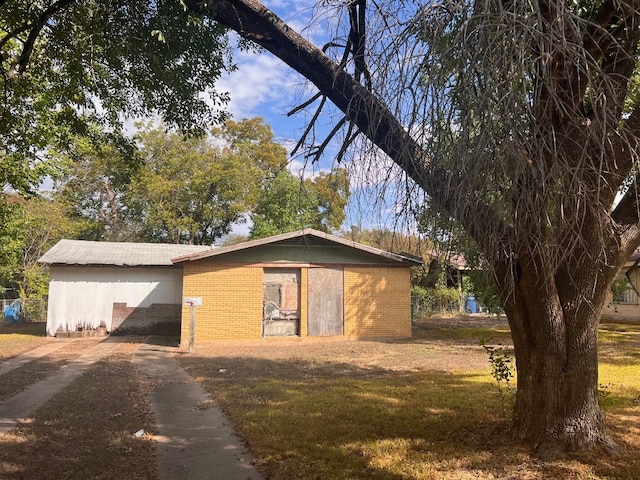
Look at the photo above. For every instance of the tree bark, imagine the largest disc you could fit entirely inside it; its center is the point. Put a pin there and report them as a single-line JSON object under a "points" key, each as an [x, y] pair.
{"points": [[555, 334]]}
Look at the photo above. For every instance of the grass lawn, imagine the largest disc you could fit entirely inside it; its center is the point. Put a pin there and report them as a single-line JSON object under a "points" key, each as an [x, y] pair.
{"points": [[17, 339], [427, 408]]}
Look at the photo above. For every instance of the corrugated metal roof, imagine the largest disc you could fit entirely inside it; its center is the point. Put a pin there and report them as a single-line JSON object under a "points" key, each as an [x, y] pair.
{"points": [[82, 252], [307, 236]]}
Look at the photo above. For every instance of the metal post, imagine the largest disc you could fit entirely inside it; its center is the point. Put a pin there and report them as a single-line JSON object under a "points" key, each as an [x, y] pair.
{"points": [[192, 329]]}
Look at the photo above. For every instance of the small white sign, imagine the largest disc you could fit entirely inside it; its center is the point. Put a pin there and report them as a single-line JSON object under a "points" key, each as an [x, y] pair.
{"points": [[193, 301]]}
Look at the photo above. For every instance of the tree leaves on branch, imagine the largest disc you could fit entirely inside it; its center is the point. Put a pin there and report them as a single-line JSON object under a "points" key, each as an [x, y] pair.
{"points": [[69, 63]]}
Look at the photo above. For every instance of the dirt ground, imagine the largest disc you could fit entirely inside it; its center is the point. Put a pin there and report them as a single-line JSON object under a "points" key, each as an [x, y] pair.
{"points": [[440, 344]]}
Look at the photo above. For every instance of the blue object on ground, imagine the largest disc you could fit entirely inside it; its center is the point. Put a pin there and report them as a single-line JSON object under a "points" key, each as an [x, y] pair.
{"points": [[12, 311], [471, 306]]}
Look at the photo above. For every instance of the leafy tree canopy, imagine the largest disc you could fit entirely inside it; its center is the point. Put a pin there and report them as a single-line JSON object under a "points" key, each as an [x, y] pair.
{"points": [[29, 228], [66, 64], [290, 203], [165, 187]]}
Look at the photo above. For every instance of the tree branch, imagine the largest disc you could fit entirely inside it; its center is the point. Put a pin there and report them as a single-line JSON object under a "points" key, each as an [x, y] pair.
{"points": [[13, 34], [251, 20], [34, 31], [619, 57]]}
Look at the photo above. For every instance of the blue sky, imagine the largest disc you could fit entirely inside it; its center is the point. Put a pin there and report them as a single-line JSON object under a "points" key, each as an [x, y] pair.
{"points": [[264, 86]]}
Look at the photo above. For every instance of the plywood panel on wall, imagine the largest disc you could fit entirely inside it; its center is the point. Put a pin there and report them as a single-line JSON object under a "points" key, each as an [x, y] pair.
{"points": [[325, 302]]}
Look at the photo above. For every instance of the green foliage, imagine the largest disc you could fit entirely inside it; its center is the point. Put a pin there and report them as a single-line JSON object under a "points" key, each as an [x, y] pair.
{"points": [[171, 188], [619, 287], [29, 228], [501, 369], [435, 301], [193, 190], [34, 309], [95, 184], [12, 236], [332, 191], [290, 203], [74, 64], [481, 285], [285, 206], [185, 192]]}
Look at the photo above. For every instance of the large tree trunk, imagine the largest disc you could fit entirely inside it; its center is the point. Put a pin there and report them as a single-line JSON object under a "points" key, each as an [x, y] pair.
{"points": [[555, 333]]}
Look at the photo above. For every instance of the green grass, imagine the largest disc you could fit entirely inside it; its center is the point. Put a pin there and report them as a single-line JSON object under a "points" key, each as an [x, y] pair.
{"points": [[374, 428], [337, 415]]}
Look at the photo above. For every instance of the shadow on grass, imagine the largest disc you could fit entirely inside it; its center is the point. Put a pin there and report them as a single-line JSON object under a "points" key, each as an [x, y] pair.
{"points": [[86, 430], [37, 329], [425, 331], [339, 421]]}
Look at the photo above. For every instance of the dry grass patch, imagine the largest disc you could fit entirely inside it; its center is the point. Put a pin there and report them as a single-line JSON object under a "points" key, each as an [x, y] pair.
{"points": [[427, 408], [18, 339], [15, 381], [86, 431]]}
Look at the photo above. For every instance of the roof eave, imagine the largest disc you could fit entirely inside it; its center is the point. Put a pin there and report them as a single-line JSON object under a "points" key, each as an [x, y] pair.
{"points": [[299, 233]]}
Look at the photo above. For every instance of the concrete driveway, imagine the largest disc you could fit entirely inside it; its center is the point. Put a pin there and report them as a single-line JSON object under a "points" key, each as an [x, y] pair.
{"points": [[195, 440]]}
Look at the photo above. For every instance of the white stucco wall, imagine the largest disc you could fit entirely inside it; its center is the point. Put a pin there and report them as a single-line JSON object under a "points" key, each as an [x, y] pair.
{"points": [[84, 296]]}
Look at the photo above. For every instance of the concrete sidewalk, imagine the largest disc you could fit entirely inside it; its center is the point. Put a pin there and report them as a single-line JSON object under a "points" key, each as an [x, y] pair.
{"points": [[195, 440], [23, 405], [31, 355]]}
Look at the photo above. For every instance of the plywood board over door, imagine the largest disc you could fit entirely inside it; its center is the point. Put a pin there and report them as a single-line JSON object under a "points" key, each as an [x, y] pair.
{"points": [[325, 302]]}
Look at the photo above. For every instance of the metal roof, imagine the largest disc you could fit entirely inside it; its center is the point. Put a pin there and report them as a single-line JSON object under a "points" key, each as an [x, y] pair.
{"points": [[82, 252], [307, 236]]}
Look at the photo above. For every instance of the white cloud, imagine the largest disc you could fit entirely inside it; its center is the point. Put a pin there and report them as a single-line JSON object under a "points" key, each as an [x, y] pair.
{"points": [[261, 84]]}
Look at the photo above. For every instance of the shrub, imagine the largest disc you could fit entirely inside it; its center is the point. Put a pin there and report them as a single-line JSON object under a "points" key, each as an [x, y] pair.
{"points": [[435, 301]]}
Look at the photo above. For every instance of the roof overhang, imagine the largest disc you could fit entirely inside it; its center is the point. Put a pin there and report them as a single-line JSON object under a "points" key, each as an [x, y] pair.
{"points": [[307, 236]]}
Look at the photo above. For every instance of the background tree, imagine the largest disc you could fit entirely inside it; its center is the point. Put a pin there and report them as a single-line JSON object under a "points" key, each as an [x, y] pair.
{"points": [[11, 239], [164, 187], [290, 203], [186, 191], [521, 121], [98, 174], [30, 228]]}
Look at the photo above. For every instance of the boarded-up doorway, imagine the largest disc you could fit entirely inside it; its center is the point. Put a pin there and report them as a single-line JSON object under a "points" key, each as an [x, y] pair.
{"points": [[325, 302], [281, 302]]}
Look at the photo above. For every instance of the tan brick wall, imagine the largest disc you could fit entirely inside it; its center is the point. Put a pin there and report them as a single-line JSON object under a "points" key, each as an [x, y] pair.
{"points": [[377, 302], [231, 301]]}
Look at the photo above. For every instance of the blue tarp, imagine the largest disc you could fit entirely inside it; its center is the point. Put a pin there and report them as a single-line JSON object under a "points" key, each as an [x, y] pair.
{"points": [[12, 312]]}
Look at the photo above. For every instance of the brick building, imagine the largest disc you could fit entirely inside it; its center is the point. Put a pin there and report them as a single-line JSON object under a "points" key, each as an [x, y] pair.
{"points": [[303, 284], [306, 283]]}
